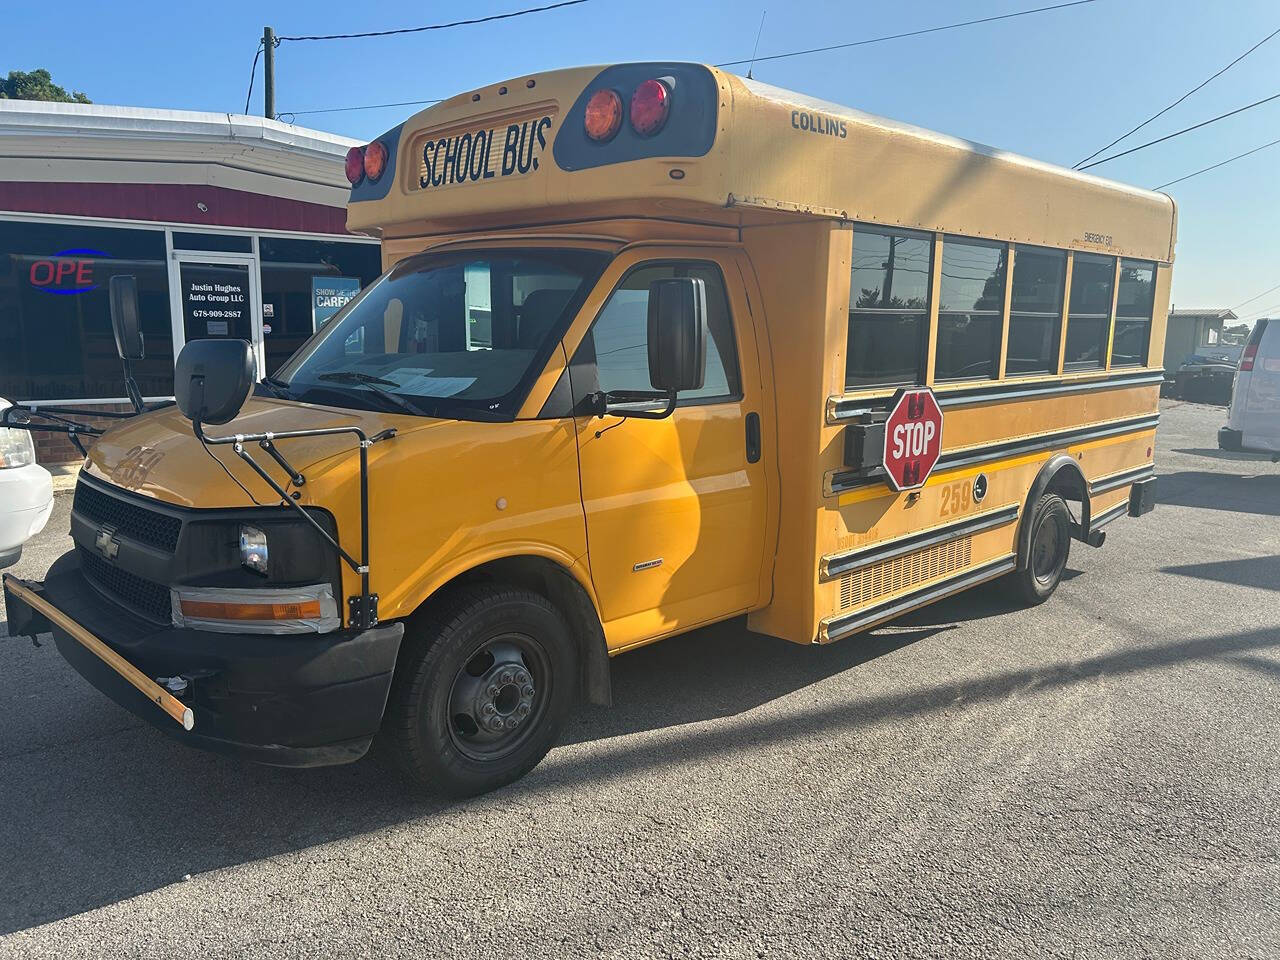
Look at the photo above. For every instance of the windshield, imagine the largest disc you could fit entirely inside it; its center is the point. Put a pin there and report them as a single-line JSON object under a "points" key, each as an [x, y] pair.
{"points": [[459, 335]]}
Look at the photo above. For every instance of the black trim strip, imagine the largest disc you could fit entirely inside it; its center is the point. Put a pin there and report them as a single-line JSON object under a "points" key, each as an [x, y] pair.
{"points": [[840, 408], [1119, 510], [1122, 479], [850, 479], [838, 564], [841, 626]]}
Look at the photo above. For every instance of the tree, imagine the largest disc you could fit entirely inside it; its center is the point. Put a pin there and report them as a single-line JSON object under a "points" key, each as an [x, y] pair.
{"points": [[37, 85]]}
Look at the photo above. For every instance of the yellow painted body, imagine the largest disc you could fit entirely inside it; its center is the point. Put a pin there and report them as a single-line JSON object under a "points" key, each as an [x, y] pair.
{"points": [[771, 207]]}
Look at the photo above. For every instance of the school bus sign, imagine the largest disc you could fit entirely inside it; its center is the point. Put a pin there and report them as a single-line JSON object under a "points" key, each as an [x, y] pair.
{"points": [[912, 438]]}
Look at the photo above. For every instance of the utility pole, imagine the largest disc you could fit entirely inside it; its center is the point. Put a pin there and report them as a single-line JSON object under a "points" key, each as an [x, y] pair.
{"points": [[269, 73]]}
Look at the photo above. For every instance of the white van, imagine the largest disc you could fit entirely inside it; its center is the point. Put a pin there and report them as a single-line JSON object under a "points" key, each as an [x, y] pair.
{"points": [[26, 492], [1253, 419]]}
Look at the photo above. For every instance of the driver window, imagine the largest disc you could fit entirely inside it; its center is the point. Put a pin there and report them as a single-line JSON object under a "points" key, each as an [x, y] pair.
{"points": [[619, 343]]}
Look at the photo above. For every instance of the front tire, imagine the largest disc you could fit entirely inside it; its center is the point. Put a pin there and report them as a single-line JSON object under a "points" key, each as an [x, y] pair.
{"points": [[1050, 547], [482, 689]]}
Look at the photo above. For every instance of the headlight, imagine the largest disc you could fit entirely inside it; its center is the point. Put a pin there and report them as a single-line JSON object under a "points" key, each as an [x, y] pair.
{"points": [[16, 448], [253, 550]]}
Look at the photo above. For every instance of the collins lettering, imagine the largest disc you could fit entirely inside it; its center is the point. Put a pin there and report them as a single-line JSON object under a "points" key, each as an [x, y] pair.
{"points": [[817, 123]]}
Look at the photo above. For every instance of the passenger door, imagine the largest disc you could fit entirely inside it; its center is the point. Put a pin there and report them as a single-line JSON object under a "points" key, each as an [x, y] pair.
{"points": [[675, 508]]}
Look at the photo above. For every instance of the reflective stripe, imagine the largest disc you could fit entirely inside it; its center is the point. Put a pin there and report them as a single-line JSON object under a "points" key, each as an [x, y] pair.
{"points": [[1121, 479], [841, 408], [851, 479]]}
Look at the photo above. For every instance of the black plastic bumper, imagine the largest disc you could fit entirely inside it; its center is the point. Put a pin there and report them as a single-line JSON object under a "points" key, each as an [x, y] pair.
{"points": [[295, 700]]}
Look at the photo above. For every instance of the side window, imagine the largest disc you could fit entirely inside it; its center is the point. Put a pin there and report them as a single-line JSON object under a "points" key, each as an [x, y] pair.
{"points": [[888, 307], [1089, 311], [619, 338], [1035, 312], [970, 309], [1134, 303]]}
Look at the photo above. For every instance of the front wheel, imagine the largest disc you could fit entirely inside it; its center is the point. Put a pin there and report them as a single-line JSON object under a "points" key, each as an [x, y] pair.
{"points": [[482, 689], [1050, 546]]}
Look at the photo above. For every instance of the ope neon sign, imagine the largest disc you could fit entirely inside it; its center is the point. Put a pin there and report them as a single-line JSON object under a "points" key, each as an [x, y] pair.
{"points": [[67, 271]]}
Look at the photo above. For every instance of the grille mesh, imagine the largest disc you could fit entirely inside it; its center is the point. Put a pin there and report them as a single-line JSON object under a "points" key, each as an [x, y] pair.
{"points": [[145, 597], [127, 519], [900, 573]]}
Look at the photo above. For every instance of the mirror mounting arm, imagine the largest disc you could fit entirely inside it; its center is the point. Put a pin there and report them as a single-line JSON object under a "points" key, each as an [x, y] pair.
{"points": [[364, 609], [620, 403]]}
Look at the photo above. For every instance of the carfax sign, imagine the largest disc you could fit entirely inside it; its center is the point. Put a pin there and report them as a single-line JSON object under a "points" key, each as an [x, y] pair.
{"points": [[329, 295]]}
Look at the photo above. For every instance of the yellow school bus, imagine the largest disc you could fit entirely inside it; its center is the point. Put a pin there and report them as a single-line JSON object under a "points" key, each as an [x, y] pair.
{"points": [[656, 346]]}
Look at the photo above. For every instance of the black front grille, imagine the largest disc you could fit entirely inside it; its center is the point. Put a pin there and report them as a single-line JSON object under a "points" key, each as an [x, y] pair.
{"points": [[144, 597], [128, 519]]}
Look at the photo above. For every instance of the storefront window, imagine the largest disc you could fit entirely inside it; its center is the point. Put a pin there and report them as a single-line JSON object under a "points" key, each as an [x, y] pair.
{"points": [[55, 322], [306, 282]]}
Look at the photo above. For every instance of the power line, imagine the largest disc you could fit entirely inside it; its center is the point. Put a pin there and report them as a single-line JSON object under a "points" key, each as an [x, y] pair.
{"points": [[1179, 100], [253, 72], [440, 26], [1178, 133], [909, 33], [368, 106], [1255, 314], [1256, 297], [1215, 166]]}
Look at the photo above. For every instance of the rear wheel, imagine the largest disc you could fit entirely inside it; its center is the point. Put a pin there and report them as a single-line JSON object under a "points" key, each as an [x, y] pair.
{"points": [[482, 689], [1050, 547]]}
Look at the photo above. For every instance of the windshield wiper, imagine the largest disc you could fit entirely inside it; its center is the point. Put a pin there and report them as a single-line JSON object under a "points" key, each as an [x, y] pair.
{"points": [[378, 385], [277, 387]]}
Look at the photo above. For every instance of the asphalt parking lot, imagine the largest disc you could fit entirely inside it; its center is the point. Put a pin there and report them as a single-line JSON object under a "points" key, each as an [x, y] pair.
{"points": [[1097, 777]]}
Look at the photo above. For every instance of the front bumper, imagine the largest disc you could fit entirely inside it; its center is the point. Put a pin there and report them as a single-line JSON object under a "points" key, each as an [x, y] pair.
{"points": [[292, 700]]}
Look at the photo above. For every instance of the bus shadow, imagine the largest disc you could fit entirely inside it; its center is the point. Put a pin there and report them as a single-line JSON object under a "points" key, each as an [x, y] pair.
{"points": [[96, 818], [1253, 493], [1260, 572], [721, 671], [1235, 456]]}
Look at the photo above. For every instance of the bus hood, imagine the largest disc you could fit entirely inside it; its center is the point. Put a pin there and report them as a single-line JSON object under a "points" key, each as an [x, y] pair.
{"points": [[157, 455]]}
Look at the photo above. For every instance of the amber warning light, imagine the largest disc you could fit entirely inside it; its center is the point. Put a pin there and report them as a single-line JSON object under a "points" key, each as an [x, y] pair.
{"points": [[375, 160], [603, 117]]}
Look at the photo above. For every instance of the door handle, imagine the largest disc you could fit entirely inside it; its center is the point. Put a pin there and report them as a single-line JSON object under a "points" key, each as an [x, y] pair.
{"points": [[753, 438]]}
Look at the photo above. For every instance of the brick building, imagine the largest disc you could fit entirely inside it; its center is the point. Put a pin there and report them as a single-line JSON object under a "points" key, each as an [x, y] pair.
{"points": [[233, 226]]}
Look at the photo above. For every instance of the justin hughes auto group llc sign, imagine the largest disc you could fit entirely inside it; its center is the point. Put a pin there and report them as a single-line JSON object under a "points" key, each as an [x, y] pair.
{"points": [[329, 295]]}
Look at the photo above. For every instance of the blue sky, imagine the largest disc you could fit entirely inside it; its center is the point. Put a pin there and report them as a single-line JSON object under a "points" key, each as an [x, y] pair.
{"points": [[1055, 86]]}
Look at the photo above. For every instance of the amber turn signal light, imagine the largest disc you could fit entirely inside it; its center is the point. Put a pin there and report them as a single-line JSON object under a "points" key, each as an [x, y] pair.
{"points": [[216, 610], [603, 116], [375, 160]]}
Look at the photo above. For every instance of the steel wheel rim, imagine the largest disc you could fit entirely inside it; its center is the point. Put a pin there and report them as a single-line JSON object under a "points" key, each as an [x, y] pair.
{"points": [[498, 696], [1045, 551]]}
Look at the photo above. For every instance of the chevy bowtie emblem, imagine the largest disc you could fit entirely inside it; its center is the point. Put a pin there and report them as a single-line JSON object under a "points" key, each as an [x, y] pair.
{"points": [[107, 543]]}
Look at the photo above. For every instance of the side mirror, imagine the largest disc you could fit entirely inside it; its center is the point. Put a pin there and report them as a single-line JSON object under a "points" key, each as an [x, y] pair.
{"points": [[677, 334], [213, 378], [125, 323]]}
